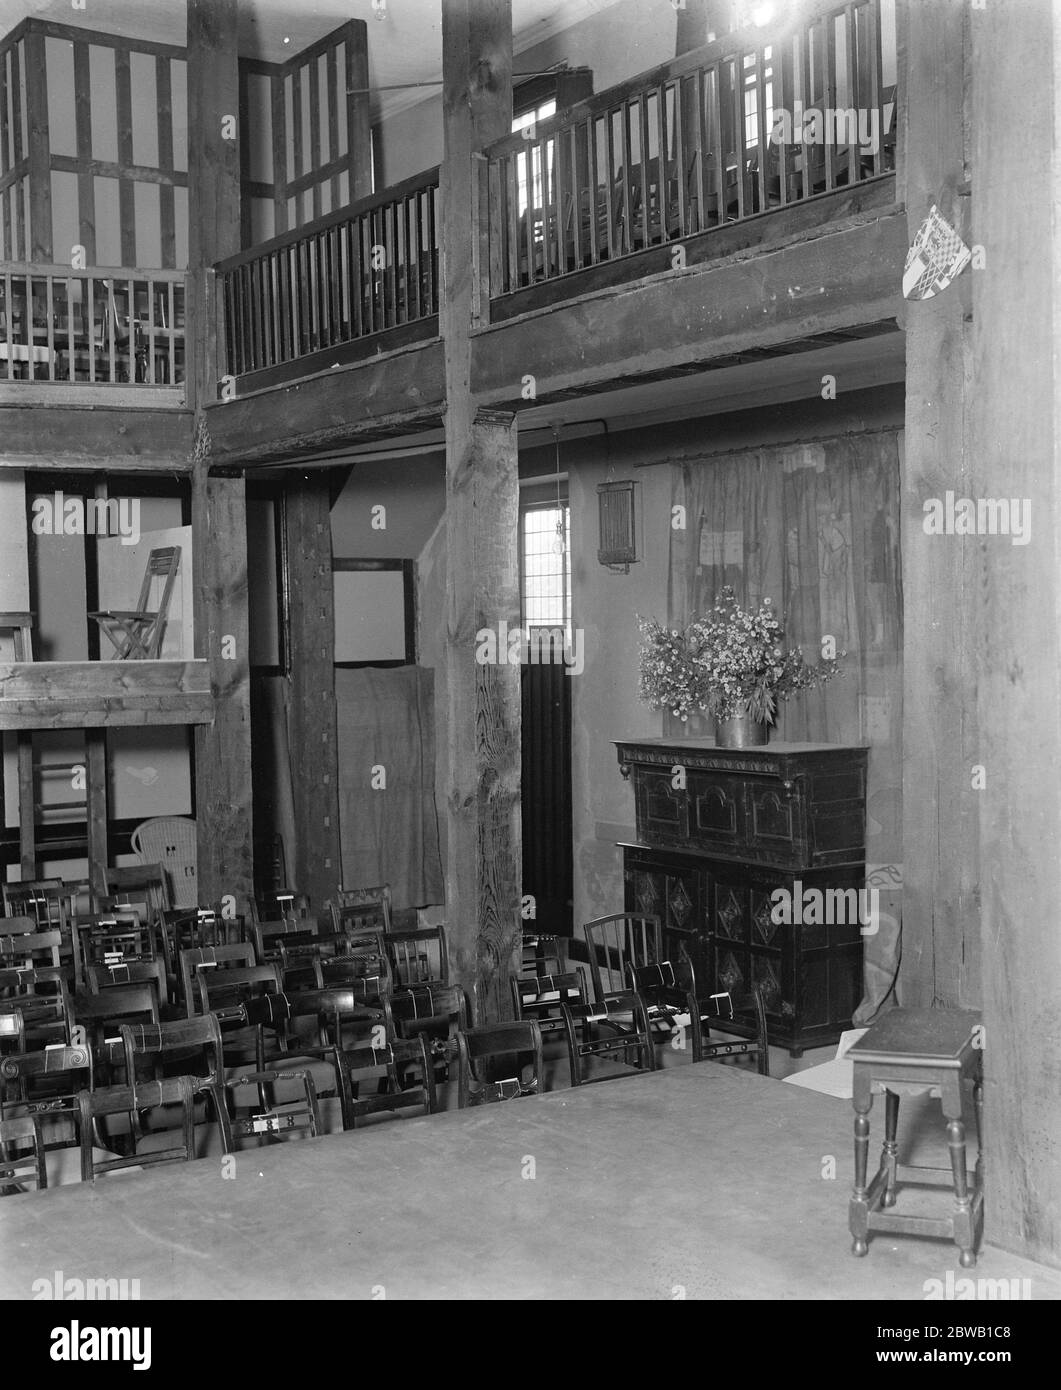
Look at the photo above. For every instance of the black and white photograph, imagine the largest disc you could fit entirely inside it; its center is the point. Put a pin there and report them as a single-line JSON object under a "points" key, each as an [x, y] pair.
{"points": [[530, 639]]}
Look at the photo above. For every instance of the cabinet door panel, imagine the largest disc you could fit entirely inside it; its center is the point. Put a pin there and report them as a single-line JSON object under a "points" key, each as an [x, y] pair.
{"points": [[716, 811], [776, 820], [662, 811]]}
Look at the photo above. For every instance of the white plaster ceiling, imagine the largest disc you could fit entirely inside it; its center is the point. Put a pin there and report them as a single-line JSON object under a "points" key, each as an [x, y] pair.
{"points": [[404, 46]]}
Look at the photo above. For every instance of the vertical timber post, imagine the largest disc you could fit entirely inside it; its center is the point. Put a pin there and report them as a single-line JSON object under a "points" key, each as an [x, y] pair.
{"points": [[1016, 413], [482, 778], [941, 932], [219, 518]]}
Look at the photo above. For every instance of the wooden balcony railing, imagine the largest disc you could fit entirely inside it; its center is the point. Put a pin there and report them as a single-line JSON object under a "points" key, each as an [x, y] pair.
{"points": [[718, 136], [368, 269], [119, 327]]}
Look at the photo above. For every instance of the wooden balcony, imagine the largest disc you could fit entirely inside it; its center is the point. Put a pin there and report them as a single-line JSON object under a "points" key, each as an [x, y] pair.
{"points": [[335, 291], [104, 694], [748, 138], [102, 328]]}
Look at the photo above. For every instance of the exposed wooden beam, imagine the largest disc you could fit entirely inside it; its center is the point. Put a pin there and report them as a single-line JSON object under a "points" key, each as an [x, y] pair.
{"points": [[1016, 426], [481, 774], [315, 858], [104, 694], [941, 933], [69, 437], [213, 174], [406, 386], [223, 749], [358, 112], [40, 179], [841, 278]]}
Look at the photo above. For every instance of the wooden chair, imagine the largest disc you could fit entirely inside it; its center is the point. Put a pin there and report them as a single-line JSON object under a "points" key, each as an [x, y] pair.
{"points": [[22, 943], [542, 954], [286, 905], [19, 1166], [45, 1082], [338, 1021], [12, 1030], [366, 972], [141, 889], [132, 972], [43, 899], [369, 908], [397, 1059], [618, 942], [618, 1023], [740, 1014], [96, 1019], [271, 1120], [267, 937], [224, 994], [192, 1044], [94, 1106], [113, 939], [479, 1081], [418, 957], [136, 635], [540, 997], [208, 958], [41, 996]]}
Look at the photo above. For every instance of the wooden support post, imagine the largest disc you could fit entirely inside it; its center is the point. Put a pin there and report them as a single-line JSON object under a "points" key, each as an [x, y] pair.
{"points": [[27, 807], [940, 964], [223, 804], [314, 860], [358, 112], [482, 767], [96, 749], [219, 518], [1016, 415], [37, 139], [213, 175]]}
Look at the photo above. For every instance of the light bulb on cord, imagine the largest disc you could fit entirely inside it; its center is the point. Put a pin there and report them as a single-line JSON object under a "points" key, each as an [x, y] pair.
{"points": [[379, 9]]}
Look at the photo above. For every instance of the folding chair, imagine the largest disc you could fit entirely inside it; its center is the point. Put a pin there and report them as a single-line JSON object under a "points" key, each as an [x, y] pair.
{"points": [[137, 635]]}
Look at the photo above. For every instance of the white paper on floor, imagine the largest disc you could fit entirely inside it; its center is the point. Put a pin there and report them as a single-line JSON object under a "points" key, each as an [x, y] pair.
{"points": [[835, 1078]]}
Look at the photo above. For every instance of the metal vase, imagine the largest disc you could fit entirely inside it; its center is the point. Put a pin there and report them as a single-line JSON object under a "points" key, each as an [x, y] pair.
{"points": [[741, 731]]}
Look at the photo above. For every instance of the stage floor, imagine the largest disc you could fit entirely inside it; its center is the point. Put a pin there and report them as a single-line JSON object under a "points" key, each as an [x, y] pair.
{"points": [[698, 1181]]}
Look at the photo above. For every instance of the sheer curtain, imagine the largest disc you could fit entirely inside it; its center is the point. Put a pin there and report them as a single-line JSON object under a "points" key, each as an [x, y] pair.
{"points": [[815, 527]]}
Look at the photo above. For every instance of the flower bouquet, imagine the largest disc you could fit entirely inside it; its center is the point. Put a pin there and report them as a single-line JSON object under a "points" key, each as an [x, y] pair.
{"points": [[730, 665]]}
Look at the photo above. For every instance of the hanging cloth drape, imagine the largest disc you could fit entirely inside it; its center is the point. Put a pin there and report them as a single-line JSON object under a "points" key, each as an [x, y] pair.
{"points": [[815, 527], [388, 822]]}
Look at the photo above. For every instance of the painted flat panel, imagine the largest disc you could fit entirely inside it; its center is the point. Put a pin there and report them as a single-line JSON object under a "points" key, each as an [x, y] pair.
{"points": [[104, 103], [108, 222], [144, 93], [369, 615], [147, 208], [179, 83], [59, 58]]}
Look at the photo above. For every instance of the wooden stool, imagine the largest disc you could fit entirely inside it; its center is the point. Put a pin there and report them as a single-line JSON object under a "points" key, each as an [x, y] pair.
{"points": [[908, 1052]]}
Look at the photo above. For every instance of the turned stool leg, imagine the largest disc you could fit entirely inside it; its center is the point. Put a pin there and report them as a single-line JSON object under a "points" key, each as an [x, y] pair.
{"points": [[858, 1211], [890, 1152], [963, 1224], [978, 1102]]}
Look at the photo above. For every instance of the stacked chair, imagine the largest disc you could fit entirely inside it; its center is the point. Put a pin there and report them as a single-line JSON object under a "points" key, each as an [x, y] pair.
{"points": [[135, 1032]]}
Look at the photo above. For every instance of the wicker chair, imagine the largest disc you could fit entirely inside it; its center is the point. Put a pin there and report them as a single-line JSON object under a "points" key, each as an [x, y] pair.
{"points": [[170, 841]]}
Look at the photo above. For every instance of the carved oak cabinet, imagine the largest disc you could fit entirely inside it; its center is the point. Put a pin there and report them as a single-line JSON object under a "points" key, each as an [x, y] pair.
{"points": [[711, 853]]}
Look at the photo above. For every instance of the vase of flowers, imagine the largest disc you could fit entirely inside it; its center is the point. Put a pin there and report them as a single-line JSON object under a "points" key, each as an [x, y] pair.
{"points": [[730, 665]]}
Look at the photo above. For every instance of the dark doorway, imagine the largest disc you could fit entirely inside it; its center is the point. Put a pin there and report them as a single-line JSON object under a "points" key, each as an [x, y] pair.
{"points": [[545, 590]]}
